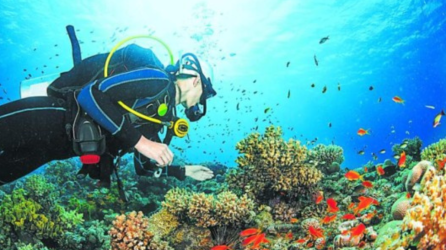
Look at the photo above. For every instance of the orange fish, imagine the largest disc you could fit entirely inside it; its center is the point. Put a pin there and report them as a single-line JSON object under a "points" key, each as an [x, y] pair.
{"points": [[364, 203], [301, 241], [353, 175], [261, 239], [332, 206], [351, 206], [316, 233], [294, 220], [329, 219], [256, 240], [319, 197], [348, 217], [398, 99], [367, 184], [408, 195], [366, 169], [370, 215], [221, 247], [441, 164], [249, 231], [362, 132], [380, 170], [289, 236], [402, 160], [357, 231]]}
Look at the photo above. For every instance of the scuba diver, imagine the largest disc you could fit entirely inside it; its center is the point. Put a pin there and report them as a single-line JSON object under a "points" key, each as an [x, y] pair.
{"points": [[101, 118]]}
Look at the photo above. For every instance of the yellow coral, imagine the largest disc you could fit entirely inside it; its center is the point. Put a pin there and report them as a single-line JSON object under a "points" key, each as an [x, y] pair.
{"points": [[435, 152], [268, 163], [162, 223], [425, 219]]}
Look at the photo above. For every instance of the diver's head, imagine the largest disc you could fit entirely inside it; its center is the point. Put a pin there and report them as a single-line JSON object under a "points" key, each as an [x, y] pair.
{"points": [[194, 84]]}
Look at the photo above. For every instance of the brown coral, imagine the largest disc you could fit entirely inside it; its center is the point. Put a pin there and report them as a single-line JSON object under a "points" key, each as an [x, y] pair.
{"points": [[269, 166], [415, 174], [130, 232], [207, 210]]}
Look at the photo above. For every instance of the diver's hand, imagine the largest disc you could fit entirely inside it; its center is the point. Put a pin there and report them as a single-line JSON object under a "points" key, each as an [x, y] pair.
{"points": [[156, 151], [198, 172]]}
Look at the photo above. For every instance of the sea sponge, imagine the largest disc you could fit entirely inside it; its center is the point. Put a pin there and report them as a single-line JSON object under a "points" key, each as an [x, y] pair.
{"points": [[400, 207], [415, 174]]}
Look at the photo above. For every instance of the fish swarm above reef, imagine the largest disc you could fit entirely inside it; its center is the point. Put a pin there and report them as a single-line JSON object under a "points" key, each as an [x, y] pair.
{"points": [[270, 165]]}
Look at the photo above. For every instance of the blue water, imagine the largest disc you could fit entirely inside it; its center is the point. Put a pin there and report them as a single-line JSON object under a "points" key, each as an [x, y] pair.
{"points": [[397, 46]]}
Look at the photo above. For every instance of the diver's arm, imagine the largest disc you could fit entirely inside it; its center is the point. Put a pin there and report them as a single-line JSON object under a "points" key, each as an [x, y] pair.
{"points": [[145, 167], [99, 99]]}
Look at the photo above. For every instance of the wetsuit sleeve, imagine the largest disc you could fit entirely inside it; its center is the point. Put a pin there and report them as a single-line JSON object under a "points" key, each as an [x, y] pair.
{"points": [[145, 167], [100, 100]]}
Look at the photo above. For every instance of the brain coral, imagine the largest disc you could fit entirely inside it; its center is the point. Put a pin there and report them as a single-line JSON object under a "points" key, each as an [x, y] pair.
{"points": [[400, 207], [416, 173]]}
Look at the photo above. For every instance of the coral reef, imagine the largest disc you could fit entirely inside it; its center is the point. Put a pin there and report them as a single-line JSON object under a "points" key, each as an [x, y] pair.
{"points": [[271, 169], [425, 220], [162, 223], [327, 158], [412, 147], [415, 175], [223, 215], [435, 152], [35, 214], [400, 207], [207, 210], [130, 232]]}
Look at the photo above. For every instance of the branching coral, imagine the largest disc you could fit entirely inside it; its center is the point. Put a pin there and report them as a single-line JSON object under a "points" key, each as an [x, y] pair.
{"points": [[130, 232], [269, 166], [206, 210], [327, 158], [24, 215], [435, 152], [224, 215]]}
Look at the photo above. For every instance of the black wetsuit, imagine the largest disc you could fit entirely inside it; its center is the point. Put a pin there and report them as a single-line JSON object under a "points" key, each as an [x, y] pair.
{"points": [[36, 130]]}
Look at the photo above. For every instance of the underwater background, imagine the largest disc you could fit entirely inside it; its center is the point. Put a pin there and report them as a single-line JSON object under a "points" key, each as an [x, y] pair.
{"points": [[276, 75]]}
